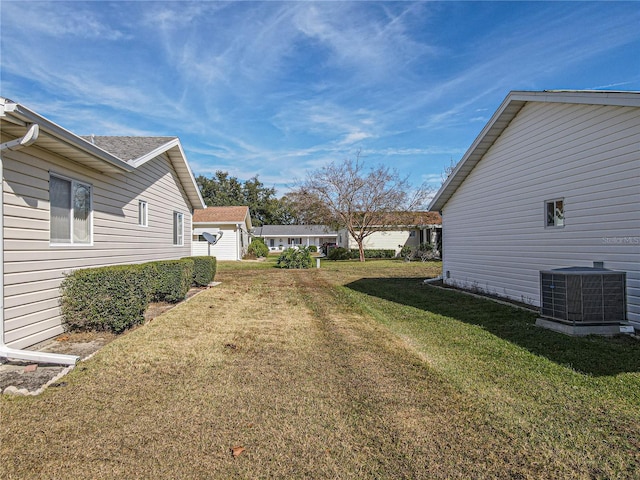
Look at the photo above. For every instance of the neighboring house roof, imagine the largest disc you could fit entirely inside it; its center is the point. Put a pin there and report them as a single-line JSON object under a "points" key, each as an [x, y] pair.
{"points": [[294, 231], [410, 219], [222, 215], [108, 155], [507, 111]]}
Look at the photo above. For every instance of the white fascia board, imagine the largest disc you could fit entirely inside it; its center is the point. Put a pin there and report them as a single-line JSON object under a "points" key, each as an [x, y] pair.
{"points": [[591, 97], [232, 223], [466, 164], [154, 153], [507, 110], [188, 180], [61, 134]]}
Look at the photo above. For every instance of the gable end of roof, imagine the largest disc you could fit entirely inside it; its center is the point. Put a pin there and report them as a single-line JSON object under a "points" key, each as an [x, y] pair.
{"points": [[506, 112]]}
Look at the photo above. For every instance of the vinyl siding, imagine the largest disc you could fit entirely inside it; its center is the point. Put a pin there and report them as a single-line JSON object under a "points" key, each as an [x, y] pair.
{"points": [[495, 237], [387, 240], [34, 269], [225, 249]]}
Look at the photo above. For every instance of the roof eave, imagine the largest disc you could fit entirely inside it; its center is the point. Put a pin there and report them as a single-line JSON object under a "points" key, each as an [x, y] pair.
{"points": [[507, 111], [62, 135], [173, 149]]}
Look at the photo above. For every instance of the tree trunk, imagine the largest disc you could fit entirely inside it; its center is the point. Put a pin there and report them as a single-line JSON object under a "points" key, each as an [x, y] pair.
{"points": [[361, 250]]}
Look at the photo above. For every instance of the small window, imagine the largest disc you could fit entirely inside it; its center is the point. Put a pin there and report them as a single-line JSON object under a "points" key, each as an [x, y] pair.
{"points": [[272, 243], [412, 234], [178, 228], [70, 211], [143, 213], [554, 213]]}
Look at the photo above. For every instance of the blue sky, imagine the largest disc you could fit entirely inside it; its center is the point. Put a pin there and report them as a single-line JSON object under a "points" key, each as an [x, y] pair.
{"points": [[278, 89]]}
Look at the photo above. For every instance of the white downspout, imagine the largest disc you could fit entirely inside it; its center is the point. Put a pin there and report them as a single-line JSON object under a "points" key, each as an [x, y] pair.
{"points": [[7, 352]]}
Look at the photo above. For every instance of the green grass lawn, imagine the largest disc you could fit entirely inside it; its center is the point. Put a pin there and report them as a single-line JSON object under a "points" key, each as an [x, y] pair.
{"points": [[348, 371]]}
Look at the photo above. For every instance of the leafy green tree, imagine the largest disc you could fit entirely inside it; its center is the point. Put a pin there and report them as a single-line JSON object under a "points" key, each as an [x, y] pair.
{"points": [[221, 190], [225, 190]]}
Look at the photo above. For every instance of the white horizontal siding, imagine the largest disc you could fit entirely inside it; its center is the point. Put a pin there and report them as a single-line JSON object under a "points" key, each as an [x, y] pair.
{"points": [[494, 225], [34, 268], [227, 247], [387, 240]]}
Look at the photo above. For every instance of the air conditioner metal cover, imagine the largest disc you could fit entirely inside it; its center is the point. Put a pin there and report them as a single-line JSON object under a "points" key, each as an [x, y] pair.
{"points": [[583, 295]]}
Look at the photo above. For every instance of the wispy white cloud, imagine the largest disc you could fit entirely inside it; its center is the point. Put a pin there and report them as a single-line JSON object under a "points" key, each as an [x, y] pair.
{"points": [[58, 20], [281, 88]]}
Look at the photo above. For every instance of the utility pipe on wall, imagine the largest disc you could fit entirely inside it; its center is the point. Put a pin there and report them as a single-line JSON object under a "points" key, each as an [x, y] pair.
{"points": [[7, 352]]}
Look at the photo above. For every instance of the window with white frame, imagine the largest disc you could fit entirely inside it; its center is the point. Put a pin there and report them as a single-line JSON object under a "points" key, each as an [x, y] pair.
{"points": [[70, 208], [178, 228], [554, 212], [143, 213]]}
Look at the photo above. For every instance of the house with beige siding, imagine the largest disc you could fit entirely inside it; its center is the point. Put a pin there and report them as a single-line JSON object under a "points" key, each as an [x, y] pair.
{"points": [[551, 182], [230, 225], [70, 202], [410, 229]]}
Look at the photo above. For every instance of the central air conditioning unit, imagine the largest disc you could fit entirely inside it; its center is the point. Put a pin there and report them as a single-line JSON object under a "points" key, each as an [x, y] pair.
{"points": [[582, 300]]}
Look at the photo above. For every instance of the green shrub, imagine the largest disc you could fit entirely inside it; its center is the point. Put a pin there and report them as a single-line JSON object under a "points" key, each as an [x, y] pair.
{"points": [[173, 280], [107, 298], [295, 258], [339, 253], [405, 251], [313, 248], [373, 253], [204, 270], [258, 248]]}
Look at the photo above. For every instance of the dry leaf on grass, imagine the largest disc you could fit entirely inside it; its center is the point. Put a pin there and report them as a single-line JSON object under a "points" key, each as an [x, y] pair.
{"points": [[235, 451]]}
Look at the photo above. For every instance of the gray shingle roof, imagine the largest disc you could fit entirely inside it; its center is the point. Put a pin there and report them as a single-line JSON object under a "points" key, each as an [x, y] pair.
{"points": [[128, 148], [294, 231]]}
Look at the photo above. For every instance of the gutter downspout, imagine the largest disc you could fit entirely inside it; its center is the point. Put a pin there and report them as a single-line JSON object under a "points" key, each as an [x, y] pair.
{"points": [[7, 352]]}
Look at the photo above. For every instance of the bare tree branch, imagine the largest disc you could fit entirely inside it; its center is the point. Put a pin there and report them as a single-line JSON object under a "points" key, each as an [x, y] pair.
{"points": [[363, 201]]}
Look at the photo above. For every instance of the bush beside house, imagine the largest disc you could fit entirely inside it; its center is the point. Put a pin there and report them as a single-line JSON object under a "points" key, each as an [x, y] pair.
{"points": [[204, 270], [257, 248], [108, 298], [115, 298]]}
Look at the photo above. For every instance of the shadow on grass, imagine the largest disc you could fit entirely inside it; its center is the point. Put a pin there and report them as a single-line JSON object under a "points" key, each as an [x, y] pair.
{"points": [[592, 355]]}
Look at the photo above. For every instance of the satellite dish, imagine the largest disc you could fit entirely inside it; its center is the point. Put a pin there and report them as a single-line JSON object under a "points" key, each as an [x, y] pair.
{"points": [[212, 239]]}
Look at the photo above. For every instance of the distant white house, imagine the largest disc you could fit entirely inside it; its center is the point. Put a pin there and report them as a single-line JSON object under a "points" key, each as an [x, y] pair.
{"points": [[281, 237], [70, 202], [552, 181], [231, 225], [414, 229]]}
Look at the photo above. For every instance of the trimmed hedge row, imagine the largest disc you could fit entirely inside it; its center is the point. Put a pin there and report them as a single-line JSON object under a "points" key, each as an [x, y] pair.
{"points": [[341, 253], [174, 279], [107, 298], [204, 270], [115, 298], [374, 253]]}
